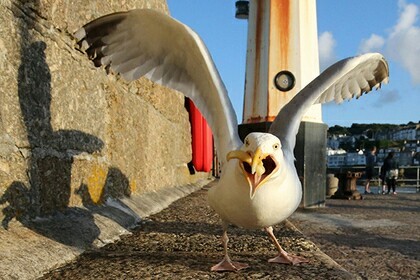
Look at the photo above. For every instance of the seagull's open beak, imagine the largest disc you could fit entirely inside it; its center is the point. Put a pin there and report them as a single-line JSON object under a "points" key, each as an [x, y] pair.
{"points": [[257, 167]]}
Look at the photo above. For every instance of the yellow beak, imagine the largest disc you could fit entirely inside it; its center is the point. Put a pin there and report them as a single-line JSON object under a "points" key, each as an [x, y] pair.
{"points": [[257, 164], [254, 176], [241, 155]]}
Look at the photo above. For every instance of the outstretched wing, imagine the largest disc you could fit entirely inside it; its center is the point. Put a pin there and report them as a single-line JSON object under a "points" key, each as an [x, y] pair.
{"points": [[348, 78], [148, 43]]}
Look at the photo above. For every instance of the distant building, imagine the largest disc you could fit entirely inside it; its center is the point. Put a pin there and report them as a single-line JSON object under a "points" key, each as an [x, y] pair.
{"points": [[382, 135], [356, 158], [405, 158], [406, 133], [334, 142], [408, 155], [416, 157], [383, 153], [337, 158]]}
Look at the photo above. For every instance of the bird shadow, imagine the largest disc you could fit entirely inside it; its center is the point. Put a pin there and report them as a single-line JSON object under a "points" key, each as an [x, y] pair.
{"points": [[42, 203], [110, 204]]}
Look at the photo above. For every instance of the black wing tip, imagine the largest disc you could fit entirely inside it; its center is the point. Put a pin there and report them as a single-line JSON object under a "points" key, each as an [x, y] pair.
{"points": [[89, 38]]}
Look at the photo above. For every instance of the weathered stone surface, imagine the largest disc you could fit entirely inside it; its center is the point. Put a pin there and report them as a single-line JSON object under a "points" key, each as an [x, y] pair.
{"points": [[71, 15], [65, 125]]}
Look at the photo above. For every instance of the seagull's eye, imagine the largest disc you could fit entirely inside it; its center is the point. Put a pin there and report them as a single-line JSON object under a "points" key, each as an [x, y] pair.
{"points": [[276, 146], [246, 142]]}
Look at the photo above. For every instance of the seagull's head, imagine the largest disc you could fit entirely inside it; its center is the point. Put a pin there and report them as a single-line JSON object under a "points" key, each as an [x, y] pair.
{"points": [[259, 159]]}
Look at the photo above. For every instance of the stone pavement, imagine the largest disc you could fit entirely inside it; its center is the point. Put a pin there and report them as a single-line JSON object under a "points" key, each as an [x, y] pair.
{"points": [[374, 238], [183, 242]]}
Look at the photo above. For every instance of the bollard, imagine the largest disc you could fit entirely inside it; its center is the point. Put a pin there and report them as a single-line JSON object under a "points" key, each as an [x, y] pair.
{"points": [[332, 185], [347, 186]]}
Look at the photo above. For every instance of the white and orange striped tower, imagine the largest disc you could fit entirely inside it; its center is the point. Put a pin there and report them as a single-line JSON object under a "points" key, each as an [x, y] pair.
{"points": [[282, 58]]}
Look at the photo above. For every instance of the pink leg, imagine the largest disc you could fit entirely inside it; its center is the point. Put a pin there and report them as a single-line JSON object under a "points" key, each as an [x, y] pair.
{"points": [[227, 264], [283, 256]]}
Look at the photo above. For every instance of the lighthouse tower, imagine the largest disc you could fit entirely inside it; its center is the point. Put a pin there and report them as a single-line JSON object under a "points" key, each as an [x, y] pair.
{"points": [[282, 58]]}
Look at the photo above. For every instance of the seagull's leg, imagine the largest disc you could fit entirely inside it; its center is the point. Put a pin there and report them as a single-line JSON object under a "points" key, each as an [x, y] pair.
{"points": [[283, 256], [227, 264]]}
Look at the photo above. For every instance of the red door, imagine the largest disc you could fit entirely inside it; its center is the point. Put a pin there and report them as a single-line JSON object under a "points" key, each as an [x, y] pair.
{"points": [[202, 140]]}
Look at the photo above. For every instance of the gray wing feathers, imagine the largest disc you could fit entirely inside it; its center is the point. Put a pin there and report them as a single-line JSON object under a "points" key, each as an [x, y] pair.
{"points": [[148, 43], [346, 79]]}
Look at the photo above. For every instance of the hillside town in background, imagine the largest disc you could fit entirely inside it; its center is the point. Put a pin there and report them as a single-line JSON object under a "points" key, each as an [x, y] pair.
{"points": [[348, 146]]}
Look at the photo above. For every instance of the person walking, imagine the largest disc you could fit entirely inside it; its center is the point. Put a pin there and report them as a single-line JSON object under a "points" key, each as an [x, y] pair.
{"points": [[370, 168], [391, 172], [382, 177]]}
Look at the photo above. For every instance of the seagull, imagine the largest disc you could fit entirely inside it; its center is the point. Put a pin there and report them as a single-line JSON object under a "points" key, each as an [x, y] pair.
{"points": [[259, 186]]}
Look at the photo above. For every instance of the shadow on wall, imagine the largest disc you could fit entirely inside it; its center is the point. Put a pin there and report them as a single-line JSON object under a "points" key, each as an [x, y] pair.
{"points": [[110, 205], [50, 162], [76, 226], [51, 155]]}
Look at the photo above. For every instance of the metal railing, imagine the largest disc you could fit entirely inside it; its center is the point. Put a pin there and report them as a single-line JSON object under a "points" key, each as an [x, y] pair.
{"points": [[408, 177]]}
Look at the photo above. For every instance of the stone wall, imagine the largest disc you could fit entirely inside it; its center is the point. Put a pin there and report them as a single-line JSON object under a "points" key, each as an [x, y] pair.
{"points": [[69, 133]]}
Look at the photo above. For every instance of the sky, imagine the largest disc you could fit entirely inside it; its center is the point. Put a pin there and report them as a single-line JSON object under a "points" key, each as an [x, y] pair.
{"points": [[345, 28]]}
